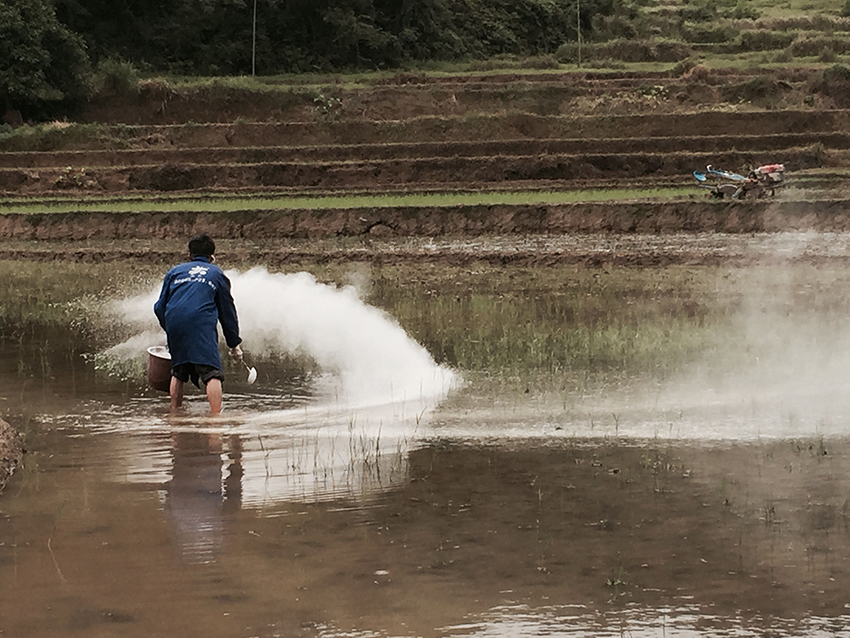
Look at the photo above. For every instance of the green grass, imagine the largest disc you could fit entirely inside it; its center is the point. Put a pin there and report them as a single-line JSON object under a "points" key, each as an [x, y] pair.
{"points": [[52, 136], [221, 204], [568, 324], [44, 294]]}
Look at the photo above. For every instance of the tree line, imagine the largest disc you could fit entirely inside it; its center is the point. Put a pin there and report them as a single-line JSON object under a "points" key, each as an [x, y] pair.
{"points": [[49, 47]]}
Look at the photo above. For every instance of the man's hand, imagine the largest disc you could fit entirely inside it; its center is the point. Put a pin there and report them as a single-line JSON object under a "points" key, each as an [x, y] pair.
{"points": [[236, 353]]}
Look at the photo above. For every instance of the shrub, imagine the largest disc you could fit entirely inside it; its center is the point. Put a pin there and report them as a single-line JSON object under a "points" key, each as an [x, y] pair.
{"points": [[837, 73], [761, 40], [625, 51], [116, 76], [683, 67], [745, 11], [666, 51], [540, 62], [696, 74], [818, 22], [157, 88], [699, 12], [784, 56], [605, 63], [617, 26], [708, 33], [758, 88], [827, 55], [814, 46], [835, 83], [486, 65]]}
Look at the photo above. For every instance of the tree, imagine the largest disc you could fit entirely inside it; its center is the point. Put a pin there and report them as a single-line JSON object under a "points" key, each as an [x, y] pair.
{"points": [[42, 63], [216, 36]]}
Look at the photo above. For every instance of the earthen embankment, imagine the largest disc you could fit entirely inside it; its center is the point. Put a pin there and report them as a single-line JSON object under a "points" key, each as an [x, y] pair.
{"points": [[438, 221]]}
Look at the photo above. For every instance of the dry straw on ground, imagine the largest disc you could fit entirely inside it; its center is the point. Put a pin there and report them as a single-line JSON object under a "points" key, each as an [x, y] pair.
{"points": [[11, 452]]}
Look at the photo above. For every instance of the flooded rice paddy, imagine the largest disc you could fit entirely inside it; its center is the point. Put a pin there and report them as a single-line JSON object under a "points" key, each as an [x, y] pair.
{"points": [[438, 451]]}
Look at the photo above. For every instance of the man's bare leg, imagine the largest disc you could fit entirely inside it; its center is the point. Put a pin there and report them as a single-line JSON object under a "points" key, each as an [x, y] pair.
{"points": [[214, 395], [176, 392]]}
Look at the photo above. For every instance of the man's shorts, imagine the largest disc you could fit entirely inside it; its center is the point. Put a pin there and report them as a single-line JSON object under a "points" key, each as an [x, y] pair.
{"points": [[195, 371]]}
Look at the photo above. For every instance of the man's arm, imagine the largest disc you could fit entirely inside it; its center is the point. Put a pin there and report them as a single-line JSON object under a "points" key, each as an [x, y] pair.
{"points": [[162, 302], [227, 313]]}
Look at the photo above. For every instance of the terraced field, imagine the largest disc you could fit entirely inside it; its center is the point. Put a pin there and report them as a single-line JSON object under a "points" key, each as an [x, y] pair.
{"points": [[502, 153]]}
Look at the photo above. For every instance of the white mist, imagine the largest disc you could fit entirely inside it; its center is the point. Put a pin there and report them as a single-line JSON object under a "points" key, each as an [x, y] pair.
{"points": [[366, 353]]}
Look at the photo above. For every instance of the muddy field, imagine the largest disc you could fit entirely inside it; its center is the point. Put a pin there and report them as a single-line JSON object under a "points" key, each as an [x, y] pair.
{"points": [[635, 490], [650, 432], [414, 131]]}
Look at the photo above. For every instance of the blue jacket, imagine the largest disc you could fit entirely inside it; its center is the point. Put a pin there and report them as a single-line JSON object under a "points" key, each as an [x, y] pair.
{"points": [[196, 296]]}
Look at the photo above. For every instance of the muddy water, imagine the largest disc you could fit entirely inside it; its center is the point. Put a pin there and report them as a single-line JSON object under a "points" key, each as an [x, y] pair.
{"points": [[700, 505]]}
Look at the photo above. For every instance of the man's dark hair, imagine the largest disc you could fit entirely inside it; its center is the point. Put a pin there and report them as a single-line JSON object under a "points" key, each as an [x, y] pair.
{"points": [[201, 246]]}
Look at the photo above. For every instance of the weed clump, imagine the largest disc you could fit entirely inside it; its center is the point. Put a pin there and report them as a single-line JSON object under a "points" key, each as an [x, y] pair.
{"points": [[540, 62], [814, 46]]}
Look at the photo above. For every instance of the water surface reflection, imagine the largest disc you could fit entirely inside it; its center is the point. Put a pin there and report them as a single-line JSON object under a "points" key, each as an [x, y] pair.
{"points": [[235, 528], [205, 483], [709, 501]]}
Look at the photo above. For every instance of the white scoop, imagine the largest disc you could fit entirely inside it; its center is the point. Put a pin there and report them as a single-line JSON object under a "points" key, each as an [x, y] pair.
{"points": [[252, 372]]}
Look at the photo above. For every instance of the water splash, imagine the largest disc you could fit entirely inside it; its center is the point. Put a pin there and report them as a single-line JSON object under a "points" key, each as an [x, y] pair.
{"points": [[367, 356]]}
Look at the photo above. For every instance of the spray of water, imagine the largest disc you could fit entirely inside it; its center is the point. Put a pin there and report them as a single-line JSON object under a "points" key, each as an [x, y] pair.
{"points": [[369, 356], [779, 366]]}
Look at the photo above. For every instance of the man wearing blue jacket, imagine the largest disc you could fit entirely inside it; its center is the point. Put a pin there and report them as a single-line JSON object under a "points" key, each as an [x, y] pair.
{"points": [[195, 297]]}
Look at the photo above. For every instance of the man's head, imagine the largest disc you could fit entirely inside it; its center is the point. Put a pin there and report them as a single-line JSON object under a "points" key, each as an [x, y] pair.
{"points": [[201, 246]]}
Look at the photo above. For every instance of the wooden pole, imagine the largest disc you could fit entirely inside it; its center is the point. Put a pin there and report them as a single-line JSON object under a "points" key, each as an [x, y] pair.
{"points": [[254, 43], [578, 29]]}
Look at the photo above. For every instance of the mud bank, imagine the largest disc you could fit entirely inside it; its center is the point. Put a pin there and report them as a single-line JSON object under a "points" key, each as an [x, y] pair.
{"points": [[11, 452], [437, 173], [433, 221]]}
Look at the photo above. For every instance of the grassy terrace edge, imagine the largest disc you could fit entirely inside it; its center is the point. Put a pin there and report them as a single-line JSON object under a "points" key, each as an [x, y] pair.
{"points": [[219, 203]]}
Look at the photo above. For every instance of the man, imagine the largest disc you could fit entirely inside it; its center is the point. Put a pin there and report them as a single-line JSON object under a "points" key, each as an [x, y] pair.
{"points": [[195, 297]]}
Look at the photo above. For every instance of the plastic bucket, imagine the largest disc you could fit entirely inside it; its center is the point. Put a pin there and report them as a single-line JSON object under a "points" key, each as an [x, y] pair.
{"points": [[159, 368]]}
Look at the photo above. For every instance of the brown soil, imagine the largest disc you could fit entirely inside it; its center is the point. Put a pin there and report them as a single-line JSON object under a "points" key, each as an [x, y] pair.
{"points": [[11, 452], [438, 172], [408, 96], [607, 217], [527, 148]]}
